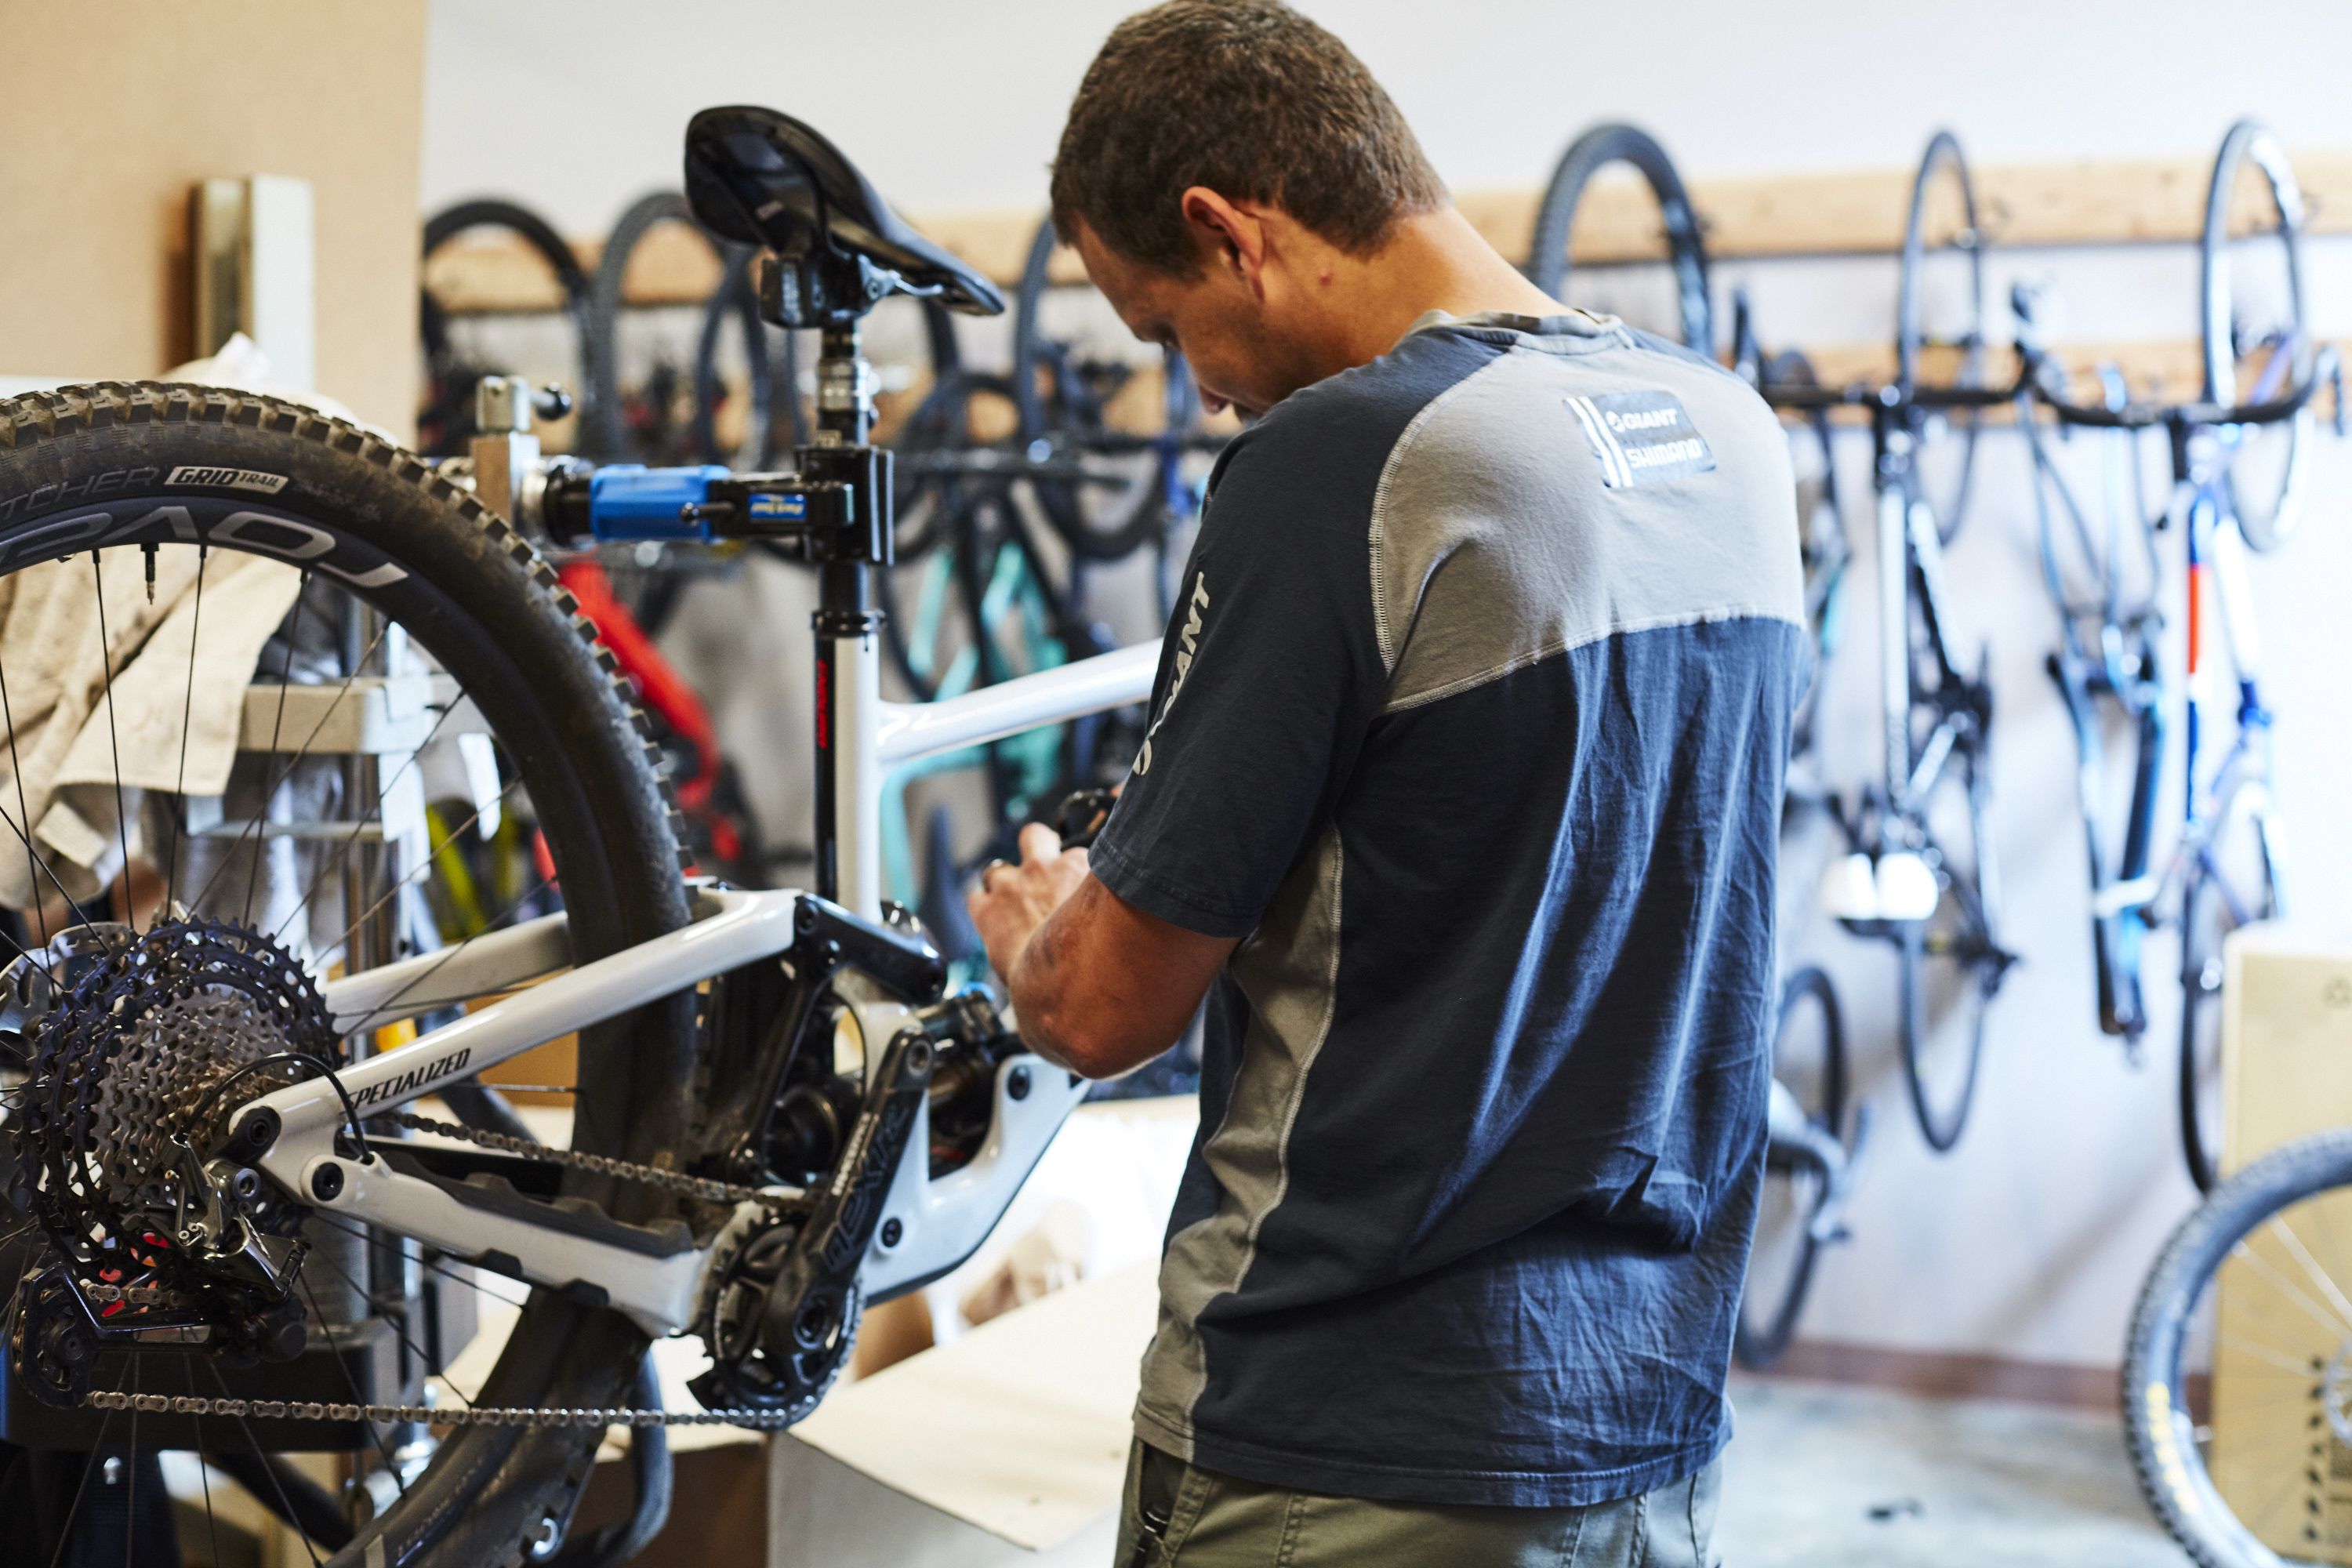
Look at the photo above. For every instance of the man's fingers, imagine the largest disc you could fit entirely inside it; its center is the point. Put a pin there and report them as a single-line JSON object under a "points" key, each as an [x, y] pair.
{"points": [[1039, 842]]}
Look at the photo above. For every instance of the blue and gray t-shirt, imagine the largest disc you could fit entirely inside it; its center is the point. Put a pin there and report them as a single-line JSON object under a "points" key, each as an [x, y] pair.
{"points": [[1471, 722]]}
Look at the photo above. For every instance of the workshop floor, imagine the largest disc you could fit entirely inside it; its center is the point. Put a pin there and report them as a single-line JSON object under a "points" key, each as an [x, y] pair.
{"points": [[1829, 1476]]}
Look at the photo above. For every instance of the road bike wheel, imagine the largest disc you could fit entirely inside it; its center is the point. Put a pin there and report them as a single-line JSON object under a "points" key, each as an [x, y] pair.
{"points": [[445, 421], [1549, 260], [1064, 404], [88, 476], [2233, 883], [1823, 542], [1809, 1060], [2238, 1370], [1939, 324], [1951, 966], [641, 425], [2258, 346]]}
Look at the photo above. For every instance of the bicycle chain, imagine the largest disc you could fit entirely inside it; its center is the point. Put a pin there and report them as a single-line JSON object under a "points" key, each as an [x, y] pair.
{"points": [[703, 1187], [467, 1415], [431, 1414]]}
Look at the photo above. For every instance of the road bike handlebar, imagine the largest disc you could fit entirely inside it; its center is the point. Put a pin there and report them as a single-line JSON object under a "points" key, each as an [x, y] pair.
{"points": [[2327, 369], [2034, 380]]}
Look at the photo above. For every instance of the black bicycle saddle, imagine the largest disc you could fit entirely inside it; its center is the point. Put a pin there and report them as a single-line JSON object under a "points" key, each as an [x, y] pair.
{"points": [[766, 179]]}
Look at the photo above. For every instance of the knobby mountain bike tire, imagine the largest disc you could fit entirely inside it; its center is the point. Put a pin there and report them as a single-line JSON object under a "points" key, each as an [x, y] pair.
{"points": [[2235, 883], [1549, 261], [2273, 1224], [95, 471], [1768, 1309], [1947, 493], [2268, 505], [447, 420]]}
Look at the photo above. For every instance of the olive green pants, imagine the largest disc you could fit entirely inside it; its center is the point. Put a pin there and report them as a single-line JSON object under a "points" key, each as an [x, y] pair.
{"points": [[1177, 1515]]}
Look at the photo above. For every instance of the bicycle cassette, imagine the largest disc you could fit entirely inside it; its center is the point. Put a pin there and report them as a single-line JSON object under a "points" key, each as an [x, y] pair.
{"points": [[132, 1064]]}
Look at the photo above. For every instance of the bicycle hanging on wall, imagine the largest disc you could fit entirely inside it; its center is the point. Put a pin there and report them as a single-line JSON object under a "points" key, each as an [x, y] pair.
{"points": [[2236, 479]]}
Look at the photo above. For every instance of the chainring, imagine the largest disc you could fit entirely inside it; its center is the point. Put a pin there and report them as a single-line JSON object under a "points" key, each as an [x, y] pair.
{"points": [[125, 1095]]}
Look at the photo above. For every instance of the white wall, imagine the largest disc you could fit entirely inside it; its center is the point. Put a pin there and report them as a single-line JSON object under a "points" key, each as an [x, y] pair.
{"points": [[2031, 1239]]}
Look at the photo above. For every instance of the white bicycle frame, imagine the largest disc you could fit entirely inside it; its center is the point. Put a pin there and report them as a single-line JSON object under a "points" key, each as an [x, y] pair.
{"points": [[657, 1275]]}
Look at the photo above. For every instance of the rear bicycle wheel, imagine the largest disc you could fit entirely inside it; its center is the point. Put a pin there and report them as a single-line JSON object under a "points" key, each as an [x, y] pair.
{"points": [[2234, 884], [2237, 1387], [444, 598], [1809, 1066], [1549, 260], [1951, 965], [2257, 344], [1939, 324]]}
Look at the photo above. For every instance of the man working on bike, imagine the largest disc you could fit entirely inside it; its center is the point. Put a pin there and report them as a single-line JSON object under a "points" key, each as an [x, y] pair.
{"points": [[1459, 804]]}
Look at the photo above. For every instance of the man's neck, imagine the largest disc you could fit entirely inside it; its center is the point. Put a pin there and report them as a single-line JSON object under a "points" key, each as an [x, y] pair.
{"points": [[1434, 261]]}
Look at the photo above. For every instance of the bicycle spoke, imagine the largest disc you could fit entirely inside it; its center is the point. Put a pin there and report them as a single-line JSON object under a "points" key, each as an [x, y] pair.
{"points": [[204, 1469], [2311, 1267], [81, 1490], [2285, 1360], [398, 1332], [113, 739], [2261, 1265], [255, 828], [373, 818], [425, 864], [131, 1479], [350, 1382], [24, 816], [381, 1008], [289, 1516], [277, 724], [187, 711]]}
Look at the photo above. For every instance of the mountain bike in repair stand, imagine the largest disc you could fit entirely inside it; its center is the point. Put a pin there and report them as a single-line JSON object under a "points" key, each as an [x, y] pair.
{"points": [[781, 1113], [2237, 475]]}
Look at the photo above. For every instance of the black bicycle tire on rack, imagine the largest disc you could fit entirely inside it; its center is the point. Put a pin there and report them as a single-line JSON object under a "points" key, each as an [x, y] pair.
{"points": [[490, 609], [1548, 259], [2205, 922], [2158, 1396], [2253, 138], [1790, 367], [1145, 520], [608, 433], [1909, 336], [1942, 1124], [770, 374], [1761, 1339], [490, 212]]}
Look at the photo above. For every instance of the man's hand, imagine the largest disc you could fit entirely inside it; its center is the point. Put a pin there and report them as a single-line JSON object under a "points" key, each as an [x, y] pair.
{"points": [[1012, 901], [1097, 984]]}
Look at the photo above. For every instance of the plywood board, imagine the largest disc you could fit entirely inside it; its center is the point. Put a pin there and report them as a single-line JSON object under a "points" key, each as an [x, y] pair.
{"points": [[113, 116], [2282, 1316], [1863, 211]]}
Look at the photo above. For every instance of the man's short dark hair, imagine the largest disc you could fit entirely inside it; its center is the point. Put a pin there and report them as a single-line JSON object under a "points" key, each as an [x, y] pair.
{"points": [[1252, 100]]}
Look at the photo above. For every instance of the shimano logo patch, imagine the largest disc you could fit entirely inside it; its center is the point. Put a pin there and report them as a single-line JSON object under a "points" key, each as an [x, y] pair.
{"points": [[1640, 437], [228, 479]]}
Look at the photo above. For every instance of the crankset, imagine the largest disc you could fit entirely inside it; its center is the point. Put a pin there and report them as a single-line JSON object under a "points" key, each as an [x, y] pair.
{"points": [[784, 1307]]}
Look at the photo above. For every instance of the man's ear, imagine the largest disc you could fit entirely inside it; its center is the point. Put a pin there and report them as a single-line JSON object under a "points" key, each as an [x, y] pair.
{"points": [[1232, 238]]}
